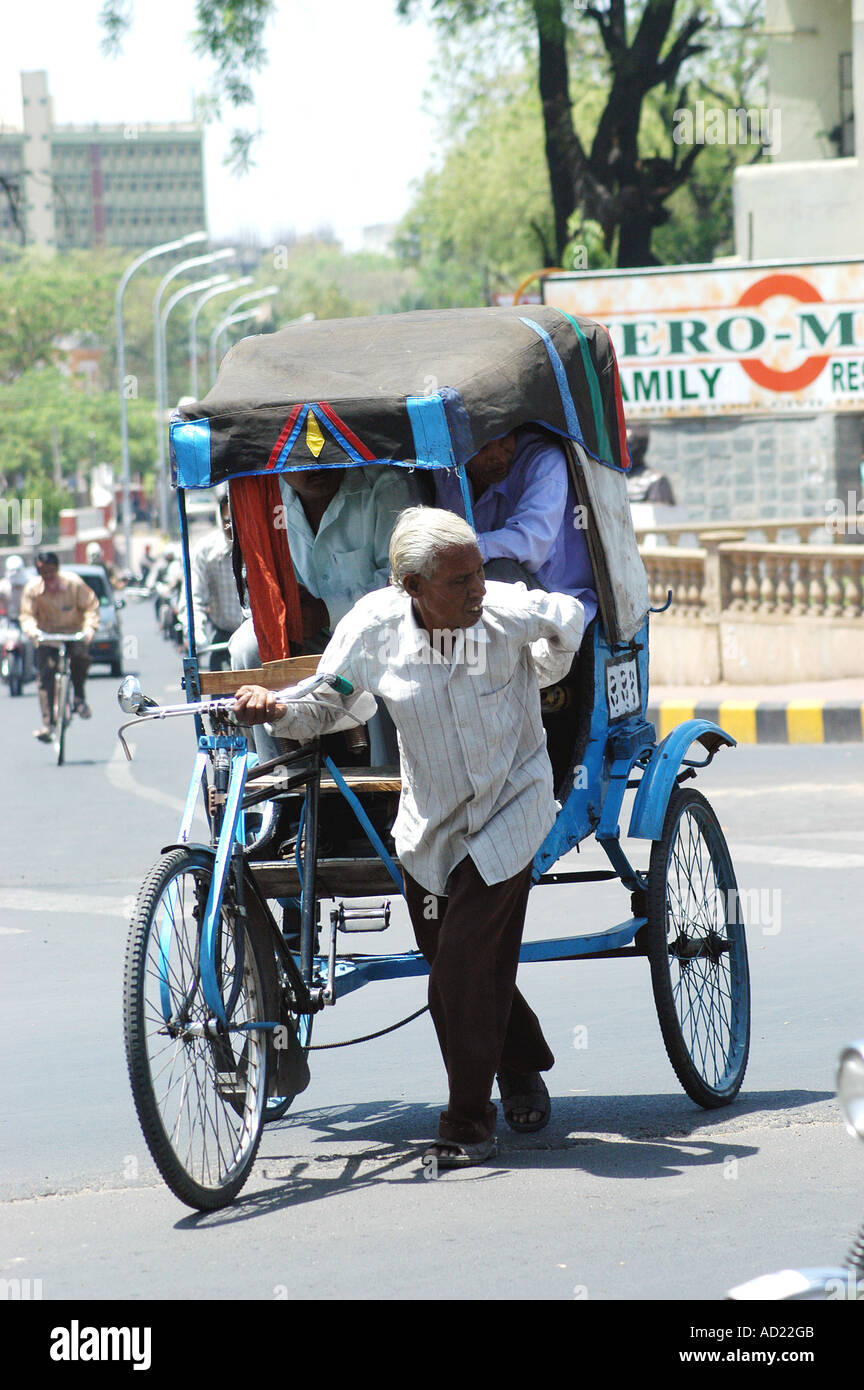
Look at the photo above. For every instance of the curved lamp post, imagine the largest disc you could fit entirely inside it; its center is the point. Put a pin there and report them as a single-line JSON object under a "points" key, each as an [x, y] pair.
{"points": [[228, 253], [193, 326], [232, 316], [237, 304], [219, 281], [161, 250], [221, 325]]}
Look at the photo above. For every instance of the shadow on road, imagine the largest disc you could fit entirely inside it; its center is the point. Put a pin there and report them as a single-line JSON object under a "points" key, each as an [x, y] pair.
{"points": [[316, 1154]]}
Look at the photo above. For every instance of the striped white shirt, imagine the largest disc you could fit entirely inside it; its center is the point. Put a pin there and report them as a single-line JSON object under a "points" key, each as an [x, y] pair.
{"points": [[214, 588], [476, 776]]}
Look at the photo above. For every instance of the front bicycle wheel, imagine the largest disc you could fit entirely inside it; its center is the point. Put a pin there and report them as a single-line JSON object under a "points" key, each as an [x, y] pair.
{"points": [[199, 1086], [698, 952], [62, 713]]}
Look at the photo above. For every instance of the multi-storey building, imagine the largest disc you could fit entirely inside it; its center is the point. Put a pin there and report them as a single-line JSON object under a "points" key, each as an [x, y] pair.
{"points": [[809, 201], [81, 186]]}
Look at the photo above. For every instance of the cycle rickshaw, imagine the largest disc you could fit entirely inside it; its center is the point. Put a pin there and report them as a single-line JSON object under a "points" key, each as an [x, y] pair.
{"points": [[218, 1003]]}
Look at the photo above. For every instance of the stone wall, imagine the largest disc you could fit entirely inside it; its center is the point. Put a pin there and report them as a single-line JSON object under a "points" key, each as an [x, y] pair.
{"points": [[732, 469]]}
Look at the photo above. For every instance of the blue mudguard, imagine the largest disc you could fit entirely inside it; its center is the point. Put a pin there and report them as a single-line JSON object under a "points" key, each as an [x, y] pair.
{"points": [[658, 780]]}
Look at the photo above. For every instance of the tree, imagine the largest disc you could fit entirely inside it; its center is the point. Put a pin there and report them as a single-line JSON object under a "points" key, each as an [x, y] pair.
{"points": [[51, 423], [484, 217], [644, 46], [43, 298], [648, 47], [51, 429]]}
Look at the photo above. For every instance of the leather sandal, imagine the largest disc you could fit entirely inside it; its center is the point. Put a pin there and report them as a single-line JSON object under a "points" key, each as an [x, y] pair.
{"points": [[522, 1092], [447, 1153]]}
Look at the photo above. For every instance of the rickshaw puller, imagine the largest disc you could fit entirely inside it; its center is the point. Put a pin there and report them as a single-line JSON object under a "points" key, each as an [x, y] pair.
{"points": [[459, 668]]}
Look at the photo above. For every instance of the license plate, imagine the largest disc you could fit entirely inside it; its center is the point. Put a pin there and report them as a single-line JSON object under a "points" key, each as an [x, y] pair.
{"points": [[622, 688]]}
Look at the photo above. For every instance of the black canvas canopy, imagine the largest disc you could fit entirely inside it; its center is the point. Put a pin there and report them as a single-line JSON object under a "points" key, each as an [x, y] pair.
{"points": [[424, 389]]}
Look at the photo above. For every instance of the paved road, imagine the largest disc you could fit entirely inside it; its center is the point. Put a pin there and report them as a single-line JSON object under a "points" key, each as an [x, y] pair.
{"points": [[631, 1193]]}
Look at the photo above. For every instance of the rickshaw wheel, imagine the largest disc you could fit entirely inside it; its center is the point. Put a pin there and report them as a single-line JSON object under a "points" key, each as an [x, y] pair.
{"points": [[199, 1089], [698, 952]]}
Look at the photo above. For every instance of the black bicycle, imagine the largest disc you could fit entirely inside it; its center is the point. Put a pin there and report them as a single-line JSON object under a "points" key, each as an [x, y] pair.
{"points": [[64, 698]]}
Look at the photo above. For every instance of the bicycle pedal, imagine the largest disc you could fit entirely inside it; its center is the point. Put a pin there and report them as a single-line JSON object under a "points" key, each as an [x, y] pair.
{"points": [[361, 917]]}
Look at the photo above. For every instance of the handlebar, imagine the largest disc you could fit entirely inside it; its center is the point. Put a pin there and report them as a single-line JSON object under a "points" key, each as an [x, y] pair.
{"points": [[55, 638], [225, 704]]}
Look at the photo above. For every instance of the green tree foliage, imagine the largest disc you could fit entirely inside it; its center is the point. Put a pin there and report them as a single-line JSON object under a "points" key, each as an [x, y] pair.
{"points": [[315, 275], [50, 424], [642, 57], [44, 298], [484, 217], [48, 306]]}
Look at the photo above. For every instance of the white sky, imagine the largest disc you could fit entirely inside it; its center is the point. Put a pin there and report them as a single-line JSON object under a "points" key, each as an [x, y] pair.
{"points": [[340, 103]]}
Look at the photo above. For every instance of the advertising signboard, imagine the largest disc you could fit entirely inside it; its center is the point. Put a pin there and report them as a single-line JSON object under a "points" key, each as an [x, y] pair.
{"points": [[725, 339]]}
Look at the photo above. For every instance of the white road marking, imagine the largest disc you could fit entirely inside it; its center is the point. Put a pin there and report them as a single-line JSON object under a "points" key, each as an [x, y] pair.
{"points": [[51, 901], [120, 775], [793, 857], [787, 789]]}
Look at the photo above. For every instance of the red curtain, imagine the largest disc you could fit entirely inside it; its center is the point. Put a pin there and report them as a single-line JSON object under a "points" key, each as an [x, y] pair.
{"points": [[256, 506]]}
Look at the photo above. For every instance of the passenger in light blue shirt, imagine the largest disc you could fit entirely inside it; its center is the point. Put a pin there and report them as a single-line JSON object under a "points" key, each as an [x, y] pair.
{"points": [[527, 521]]}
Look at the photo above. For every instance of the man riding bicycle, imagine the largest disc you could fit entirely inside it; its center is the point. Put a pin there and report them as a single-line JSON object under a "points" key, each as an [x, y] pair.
{"points": [[58, 602]]}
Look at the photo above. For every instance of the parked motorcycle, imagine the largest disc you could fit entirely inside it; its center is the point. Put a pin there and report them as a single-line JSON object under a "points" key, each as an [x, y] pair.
{"points": [[17, 656], [824, 1283]]}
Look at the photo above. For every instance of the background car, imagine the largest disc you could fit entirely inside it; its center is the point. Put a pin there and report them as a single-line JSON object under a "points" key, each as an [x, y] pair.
{"points": [[107, 645]]}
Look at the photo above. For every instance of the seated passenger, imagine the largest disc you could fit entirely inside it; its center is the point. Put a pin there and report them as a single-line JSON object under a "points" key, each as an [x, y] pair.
{"points": [[338, 523], [528, 525]]}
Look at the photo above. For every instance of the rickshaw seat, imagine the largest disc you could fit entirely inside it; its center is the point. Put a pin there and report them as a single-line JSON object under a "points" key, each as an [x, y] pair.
{"points": [[273, 675], [360, 780]]}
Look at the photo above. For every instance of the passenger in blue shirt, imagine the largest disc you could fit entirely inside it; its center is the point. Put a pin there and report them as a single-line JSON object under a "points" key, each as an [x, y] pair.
{"points": [[528, 524]]}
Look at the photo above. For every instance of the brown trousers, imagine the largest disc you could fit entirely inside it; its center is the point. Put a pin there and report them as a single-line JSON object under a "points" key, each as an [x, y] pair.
{"points": [[471, 939]]}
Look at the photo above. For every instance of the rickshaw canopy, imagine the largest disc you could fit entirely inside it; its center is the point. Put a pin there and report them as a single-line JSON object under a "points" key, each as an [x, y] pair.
{"points": [[424, 389]]}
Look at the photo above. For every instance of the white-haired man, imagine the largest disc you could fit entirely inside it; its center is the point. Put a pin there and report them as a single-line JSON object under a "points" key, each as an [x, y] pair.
{"points": [[458, 665]]}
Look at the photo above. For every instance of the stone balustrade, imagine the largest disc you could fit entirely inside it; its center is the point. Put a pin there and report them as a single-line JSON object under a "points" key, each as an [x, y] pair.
{"points": [[791, 529], [745, 612]]}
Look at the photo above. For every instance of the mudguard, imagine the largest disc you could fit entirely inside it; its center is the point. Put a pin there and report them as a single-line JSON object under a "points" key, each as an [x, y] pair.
{"points": [[658, 779]]}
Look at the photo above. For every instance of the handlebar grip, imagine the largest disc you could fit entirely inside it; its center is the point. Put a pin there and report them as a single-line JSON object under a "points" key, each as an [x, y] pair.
{"points": [[341, 686]]}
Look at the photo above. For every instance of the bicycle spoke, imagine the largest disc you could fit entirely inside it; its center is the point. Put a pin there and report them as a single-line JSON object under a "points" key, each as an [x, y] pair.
{"points": [[205, 1083], [702, 973]]}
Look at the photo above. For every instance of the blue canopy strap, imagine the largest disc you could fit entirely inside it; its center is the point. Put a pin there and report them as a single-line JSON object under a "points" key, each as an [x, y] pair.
{"points": [[570, 412], [433, 445]]}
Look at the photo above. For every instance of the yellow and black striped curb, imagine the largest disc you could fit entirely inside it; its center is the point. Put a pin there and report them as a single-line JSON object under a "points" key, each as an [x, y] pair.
{"points": [[767, 721]]}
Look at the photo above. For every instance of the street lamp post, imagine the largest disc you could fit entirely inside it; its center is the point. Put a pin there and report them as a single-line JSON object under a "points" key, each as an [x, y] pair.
{"points": [[219, 281], [230, 318], [227, 253], [193, 326], [145, 256]]}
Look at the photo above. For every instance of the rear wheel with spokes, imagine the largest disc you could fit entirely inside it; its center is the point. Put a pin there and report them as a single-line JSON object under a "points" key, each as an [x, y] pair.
{"points": [[199, 1085], [697, 952]]}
